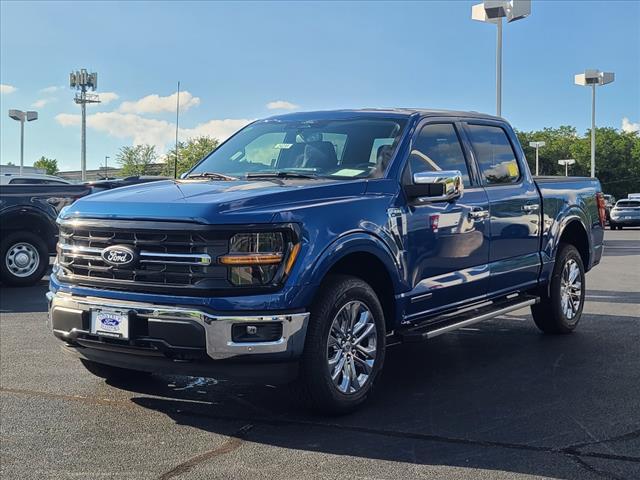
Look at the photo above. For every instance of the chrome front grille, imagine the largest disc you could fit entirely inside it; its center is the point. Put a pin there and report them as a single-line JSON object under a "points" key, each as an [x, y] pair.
{"points": [[165, 258]]}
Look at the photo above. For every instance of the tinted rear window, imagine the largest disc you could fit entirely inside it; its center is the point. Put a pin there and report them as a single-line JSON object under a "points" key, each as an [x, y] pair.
{"points": [[627, 203]]}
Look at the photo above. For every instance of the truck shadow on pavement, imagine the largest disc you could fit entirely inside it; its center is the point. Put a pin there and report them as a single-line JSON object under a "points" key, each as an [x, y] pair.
{"points": [[24, 299], [497, 397]]}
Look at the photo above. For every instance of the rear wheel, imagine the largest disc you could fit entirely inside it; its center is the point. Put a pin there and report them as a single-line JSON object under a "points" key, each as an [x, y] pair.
{"points": [[112, 373], [345, 345], [24, 259], [560, 310]]}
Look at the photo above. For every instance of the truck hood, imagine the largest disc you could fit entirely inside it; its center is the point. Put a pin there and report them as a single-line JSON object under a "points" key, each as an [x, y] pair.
{"points": [[211, 202]]}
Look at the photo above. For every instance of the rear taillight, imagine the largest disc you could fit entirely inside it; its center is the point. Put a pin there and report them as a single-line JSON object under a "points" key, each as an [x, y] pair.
{"points": [[602, 208]]}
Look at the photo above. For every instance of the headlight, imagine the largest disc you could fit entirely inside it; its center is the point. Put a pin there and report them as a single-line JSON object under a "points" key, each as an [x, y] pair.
{"points": [[254, 259]]}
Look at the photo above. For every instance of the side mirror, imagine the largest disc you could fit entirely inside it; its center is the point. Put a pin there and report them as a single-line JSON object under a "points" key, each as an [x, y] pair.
{"points": [[439, 186], [183, 175]]}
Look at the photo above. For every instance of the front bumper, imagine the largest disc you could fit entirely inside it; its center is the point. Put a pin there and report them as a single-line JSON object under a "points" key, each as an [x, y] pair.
{"points": [[175, 334]]}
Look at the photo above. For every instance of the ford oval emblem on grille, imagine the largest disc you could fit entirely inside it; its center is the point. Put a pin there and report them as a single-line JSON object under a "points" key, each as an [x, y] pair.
{"points": [[118, 255]]}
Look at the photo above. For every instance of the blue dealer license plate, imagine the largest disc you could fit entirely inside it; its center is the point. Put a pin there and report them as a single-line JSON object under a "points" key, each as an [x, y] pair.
{"points": [[110, 323]]}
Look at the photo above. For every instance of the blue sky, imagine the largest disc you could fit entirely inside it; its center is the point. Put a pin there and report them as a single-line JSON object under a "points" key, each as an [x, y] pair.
{"points": [[234, 59]]}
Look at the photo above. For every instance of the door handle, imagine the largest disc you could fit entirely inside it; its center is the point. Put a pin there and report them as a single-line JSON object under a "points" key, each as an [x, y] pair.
{"points": [[478, 214], [531, 207]]}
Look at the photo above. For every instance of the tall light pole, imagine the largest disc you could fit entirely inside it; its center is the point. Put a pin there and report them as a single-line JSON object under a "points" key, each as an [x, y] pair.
{"points": [[537, 145], [81, 80], [493, 11], [593, 78], [21, 117], [106, 167], [566, 163]]}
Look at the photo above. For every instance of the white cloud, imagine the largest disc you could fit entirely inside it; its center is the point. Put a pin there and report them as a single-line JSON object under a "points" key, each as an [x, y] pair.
{"points": [[108, 97], [4, 88], [51, 89], [42, 102], [147, 130], [282, 105], [628, 126], [220, 129], [156, 104]]}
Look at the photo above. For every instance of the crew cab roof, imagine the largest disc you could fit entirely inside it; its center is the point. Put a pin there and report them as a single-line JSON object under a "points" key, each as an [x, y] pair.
{"points": [[381, 112]]}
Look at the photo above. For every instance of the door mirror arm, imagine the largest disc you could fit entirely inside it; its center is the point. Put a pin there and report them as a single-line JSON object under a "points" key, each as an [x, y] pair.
{"points": [[437, 186]]}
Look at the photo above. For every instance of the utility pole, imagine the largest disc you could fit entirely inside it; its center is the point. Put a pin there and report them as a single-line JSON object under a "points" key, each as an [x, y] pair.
{"points": [[81, 80], [106, 167], [20, 116], [537, 146], [593, 78]]}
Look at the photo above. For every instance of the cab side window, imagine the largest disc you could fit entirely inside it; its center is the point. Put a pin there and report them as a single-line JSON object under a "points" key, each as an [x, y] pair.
{"points": [[437, 147], [496, 158]]}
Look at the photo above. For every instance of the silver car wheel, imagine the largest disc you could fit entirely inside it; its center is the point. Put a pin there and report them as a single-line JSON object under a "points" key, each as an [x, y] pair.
{"points": [[22, 259], [352, 347], [570, 289]]}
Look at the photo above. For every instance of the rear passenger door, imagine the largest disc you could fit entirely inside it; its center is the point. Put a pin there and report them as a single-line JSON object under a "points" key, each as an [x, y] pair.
{"points": [[447, 241], [514, 202]]}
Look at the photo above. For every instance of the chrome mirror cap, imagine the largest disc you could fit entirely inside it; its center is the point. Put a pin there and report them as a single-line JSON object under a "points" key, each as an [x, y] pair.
{"points": [[450, 182]]}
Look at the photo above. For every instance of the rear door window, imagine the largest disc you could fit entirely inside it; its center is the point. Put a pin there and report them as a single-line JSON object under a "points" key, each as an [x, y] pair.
{"points": [[495, 155]]}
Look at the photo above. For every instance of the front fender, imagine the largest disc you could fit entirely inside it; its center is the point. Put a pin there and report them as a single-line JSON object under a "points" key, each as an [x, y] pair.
{"points": [[354, 242]]}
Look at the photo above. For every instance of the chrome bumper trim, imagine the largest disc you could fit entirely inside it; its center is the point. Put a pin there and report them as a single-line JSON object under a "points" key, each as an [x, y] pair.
{"points": [[217, 328]]}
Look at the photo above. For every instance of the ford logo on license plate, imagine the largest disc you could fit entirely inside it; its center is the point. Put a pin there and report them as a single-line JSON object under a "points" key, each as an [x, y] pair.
{"points": [[118, 255]]}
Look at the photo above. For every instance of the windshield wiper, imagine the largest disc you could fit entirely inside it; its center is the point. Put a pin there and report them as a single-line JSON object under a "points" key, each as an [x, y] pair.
{"points": [[281, 174], [214, 175]]}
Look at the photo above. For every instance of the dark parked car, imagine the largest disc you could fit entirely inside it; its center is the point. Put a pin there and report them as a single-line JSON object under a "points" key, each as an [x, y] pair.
{"points": [[28, 230], [100, 185], [306, 242]]}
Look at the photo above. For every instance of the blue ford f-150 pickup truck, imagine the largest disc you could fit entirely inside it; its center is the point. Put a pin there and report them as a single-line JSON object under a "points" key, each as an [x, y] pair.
{"points": [[308, 242]]}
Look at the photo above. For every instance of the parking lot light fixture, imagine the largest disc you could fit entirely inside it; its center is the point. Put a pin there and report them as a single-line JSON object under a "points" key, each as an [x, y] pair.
{"points": [[493, 11], [593, 78], [537, 145], [20, 116], [566, 163]]}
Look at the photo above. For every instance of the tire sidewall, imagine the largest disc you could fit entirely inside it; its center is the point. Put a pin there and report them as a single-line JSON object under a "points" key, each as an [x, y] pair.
{"points": [[322, 315], [568, 252], [23, 237]]}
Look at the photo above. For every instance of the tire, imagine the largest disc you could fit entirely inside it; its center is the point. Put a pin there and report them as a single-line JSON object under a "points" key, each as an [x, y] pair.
{"points": [[112, 373], [342, 298], [551, 315], [24, 259]]}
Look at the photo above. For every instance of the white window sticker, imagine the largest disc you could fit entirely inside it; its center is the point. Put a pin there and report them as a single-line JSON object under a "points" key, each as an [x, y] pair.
{"points": [[282, 146], [348, 172]]}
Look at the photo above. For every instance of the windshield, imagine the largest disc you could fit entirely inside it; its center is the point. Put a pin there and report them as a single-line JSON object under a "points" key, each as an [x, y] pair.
{"points": [[356, 148]]}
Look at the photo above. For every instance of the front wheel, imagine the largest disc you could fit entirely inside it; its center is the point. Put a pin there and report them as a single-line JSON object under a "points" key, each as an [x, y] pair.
{"points": [[345, 345], [560, 310], [24, 257]]}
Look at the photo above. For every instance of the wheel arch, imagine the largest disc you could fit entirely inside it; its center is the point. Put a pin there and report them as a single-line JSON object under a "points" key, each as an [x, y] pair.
{"points": [[364, 256], [30, 220]]}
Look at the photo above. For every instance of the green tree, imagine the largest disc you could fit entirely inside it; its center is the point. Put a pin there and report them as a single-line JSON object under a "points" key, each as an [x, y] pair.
{"points": [[189, 153], [49, 165], [136, 160], [617, 155]]}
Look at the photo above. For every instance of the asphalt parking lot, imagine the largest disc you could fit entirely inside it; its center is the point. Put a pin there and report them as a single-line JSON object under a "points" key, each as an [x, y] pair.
{"points": [[499, 400]]}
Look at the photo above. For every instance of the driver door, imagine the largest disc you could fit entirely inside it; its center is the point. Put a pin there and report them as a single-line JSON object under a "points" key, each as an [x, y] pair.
{"points": [[448, 242]]}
